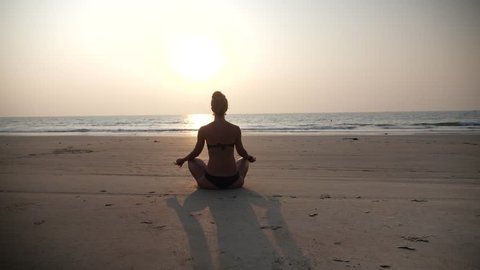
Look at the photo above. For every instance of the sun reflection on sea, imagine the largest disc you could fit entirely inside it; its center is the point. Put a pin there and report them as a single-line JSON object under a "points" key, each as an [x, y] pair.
{"points": [[195, 121]]}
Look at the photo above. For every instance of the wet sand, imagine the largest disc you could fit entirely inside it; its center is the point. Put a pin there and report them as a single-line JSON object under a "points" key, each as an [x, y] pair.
{"points": [[310, 202]]}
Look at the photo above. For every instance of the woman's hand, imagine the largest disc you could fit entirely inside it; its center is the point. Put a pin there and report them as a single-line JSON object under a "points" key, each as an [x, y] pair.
{"points": [[179, 162], [251, 159]]}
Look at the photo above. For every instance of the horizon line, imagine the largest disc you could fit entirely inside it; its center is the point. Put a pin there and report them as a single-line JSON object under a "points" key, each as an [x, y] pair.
{"points": [[255, 113]]}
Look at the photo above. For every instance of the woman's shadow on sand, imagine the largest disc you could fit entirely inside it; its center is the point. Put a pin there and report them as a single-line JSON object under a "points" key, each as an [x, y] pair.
{"points": [[249, 228]]}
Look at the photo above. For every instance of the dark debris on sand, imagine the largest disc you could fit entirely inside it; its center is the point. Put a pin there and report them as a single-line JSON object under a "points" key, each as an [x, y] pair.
{"points": [[71, 150], [273, 228], [147, 222], [419, 200], [340, 260], [416, 238], [407, 248], [40, 222]]}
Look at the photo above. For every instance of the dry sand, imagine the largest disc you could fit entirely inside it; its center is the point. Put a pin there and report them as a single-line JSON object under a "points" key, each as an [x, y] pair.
{"points": [[310, 202]]}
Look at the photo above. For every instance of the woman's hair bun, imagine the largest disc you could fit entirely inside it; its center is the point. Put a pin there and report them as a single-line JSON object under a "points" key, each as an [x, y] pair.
{"points": [[219, 103]]}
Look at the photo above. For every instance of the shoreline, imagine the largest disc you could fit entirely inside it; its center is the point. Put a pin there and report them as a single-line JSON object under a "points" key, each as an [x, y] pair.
{"points": [[252, 134]]}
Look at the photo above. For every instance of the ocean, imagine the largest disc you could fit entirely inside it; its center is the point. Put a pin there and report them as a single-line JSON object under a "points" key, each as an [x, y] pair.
{"points": [[378, 123]]}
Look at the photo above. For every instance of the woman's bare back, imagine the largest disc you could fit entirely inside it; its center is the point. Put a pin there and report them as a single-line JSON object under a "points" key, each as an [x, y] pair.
{"points": [[221, 137]]}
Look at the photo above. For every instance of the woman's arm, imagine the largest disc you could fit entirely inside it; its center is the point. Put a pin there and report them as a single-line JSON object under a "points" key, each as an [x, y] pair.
{"points": [[240, 149], [196, 150]]}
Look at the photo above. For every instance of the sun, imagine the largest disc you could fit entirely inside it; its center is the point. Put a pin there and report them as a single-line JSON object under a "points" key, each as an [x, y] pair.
{"points": [[197, 57]]}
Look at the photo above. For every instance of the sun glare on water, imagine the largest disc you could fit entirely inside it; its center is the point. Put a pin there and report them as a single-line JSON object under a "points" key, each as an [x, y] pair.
{"points": [[195, 121], [197, 57]]}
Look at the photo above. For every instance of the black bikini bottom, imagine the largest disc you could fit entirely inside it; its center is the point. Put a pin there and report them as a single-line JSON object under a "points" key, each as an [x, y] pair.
{"points": [[222, 182]]}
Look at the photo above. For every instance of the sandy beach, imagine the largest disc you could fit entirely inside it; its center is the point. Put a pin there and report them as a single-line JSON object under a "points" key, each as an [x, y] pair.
{"points": [[310, 202]]}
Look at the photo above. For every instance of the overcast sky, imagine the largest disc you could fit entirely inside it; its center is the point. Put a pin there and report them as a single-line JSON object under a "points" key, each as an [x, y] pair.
{"points": [[61, 57]]}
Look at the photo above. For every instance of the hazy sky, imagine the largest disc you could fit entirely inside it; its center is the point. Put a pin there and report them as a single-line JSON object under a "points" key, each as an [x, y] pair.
{"points": [[61, 57]]}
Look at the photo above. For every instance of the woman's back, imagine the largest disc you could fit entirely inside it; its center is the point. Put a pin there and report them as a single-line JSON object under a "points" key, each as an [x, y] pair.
{"points": [[221, 137]]}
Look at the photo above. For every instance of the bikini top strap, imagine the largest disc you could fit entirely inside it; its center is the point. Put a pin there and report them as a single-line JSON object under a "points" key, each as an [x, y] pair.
{"points": [[221, 145]]}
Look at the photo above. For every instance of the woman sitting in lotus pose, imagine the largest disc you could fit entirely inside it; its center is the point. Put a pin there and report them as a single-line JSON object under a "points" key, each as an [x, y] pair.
{"points": [[222, 137]]}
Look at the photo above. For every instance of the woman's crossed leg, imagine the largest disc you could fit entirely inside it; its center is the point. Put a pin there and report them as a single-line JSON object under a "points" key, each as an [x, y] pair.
{"points": [[198, 169]]}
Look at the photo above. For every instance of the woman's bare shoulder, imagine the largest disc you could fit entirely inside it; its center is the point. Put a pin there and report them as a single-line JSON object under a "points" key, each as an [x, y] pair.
{"points": [[204, 129], [208, 126], [233, 126]]}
